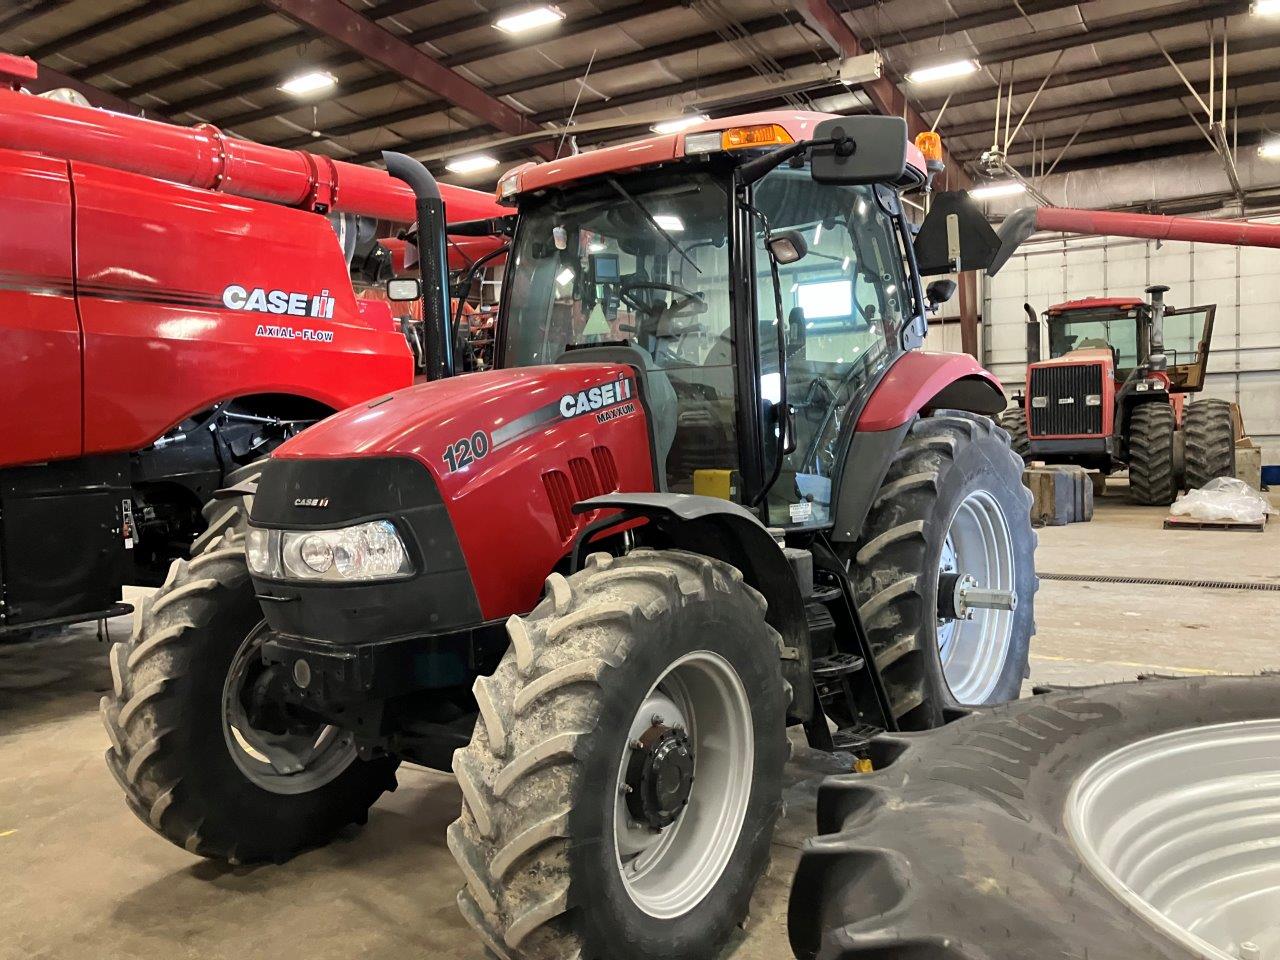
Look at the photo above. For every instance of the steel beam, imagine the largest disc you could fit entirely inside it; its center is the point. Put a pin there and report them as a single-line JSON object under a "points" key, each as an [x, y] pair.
{"points": [[888, 99], [98, 28], [349, 28]]}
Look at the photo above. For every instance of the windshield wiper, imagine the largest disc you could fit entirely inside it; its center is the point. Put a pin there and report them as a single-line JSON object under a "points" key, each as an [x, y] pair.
{"points": [[652, 222]]}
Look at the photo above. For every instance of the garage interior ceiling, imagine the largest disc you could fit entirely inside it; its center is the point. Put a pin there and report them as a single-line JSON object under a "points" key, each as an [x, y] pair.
{"points": [[1111, 98]]}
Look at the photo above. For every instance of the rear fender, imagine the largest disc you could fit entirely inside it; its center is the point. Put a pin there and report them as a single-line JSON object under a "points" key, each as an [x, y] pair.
{"points": [[721, 529], [918, 382]]}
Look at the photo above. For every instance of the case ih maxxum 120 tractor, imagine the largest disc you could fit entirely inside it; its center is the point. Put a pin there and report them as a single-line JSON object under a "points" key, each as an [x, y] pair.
{"points": [[558, 579], [1112, 394], [173, 304]]}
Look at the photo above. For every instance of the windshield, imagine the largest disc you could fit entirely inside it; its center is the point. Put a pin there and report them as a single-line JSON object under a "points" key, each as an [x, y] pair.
{"points": [[645, 259], [1086, 331]]}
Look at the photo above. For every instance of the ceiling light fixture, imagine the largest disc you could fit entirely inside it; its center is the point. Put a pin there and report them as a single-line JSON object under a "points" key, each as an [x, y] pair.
{"points": [[529, 19], [679, 123], [1270, 149], [943, 71], [472, 164], [305, 84], [1008, 188], [1265, 8]]}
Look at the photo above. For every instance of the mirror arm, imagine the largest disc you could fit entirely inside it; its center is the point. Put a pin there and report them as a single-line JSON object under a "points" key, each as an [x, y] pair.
{"points": [[754, 169]]}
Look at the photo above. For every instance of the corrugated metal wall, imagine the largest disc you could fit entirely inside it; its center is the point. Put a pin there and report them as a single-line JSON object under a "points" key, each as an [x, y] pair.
{"points": [[1244, 282]]}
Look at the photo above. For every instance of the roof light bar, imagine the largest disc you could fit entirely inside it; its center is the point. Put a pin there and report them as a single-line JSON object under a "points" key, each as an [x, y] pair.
{"points": [[943, 71], [305, 84], [1008, 188], [529, 19], [680, 123]]}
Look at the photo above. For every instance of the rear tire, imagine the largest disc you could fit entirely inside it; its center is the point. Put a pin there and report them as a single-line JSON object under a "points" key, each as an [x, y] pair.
{"points": [[1210, 438], [170, 751], [546, 829], [1151, 479], [1014, 420], [951, 464]]}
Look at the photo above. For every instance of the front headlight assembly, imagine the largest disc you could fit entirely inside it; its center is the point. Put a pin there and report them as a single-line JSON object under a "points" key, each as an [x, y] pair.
{"points": [[364, 552]]}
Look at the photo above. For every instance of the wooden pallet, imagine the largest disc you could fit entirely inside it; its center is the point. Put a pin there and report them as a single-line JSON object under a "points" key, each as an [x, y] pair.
{"points": [[1187, 523]]}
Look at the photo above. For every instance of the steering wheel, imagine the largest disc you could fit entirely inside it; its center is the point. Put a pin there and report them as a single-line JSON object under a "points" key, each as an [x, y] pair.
{"points": [[684, 297]]}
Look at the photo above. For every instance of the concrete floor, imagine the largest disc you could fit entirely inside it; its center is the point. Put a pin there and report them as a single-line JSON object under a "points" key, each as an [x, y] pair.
{"points": [[81, 878]]}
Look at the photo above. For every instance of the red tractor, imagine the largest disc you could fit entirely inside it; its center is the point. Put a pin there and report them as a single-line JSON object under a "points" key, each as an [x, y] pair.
{"points": [[174, 303], [1112, 394], [713, 486]]}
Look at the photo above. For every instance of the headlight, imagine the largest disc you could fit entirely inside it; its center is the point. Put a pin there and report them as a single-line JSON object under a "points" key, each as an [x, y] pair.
{"points": [[1039, 402], [367, 551], [1093, 399]]}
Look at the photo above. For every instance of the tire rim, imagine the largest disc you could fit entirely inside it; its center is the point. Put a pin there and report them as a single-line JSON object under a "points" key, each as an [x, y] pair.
{"points": [[973, 652], [669, 872], [304, 758], [1185, 829]]}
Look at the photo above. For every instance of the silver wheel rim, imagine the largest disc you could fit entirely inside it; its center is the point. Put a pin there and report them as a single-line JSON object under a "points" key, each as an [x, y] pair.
{"points": [[973, 652], [290, 763], [670, 872], [1185, 829]]}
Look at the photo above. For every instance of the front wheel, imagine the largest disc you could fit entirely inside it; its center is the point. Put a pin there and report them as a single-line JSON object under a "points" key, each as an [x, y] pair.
{"points": [[623, 781], [945, 574], [1152, 429], [1014, 421], [1210, 442]]}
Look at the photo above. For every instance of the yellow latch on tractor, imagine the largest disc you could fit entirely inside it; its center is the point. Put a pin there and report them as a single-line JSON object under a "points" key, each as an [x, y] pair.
{"points": [[715, 483]]}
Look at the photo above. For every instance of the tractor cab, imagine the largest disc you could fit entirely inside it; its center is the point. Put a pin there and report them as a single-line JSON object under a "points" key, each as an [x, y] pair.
{"points": [[685, 267]]}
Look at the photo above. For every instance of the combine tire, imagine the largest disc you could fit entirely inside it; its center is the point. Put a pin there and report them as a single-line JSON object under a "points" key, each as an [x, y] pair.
{"points": [[1105, 822], [1014, 420], [953, 502], [1210, 439], [1151, 479], [191, 766], [583, 833]]}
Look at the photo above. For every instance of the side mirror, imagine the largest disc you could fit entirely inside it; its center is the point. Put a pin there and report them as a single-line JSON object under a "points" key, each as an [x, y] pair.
{"points": [[787, 247], [939, 292], [401, 290], [867, 149]]}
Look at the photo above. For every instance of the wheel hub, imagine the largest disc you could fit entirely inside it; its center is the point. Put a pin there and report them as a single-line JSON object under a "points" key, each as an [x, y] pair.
{"points": [[659, 777]]}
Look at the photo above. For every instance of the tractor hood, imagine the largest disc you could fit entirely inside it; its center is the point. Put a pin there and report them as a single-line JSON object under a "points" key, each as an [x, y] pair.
{"points": [[509, 452], [1088, 355]]}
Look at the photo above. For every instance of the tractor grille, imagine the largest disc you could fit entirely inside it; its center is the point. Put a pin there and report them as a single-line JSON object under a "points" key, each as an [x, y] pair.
{"points": [[1065, 386]]}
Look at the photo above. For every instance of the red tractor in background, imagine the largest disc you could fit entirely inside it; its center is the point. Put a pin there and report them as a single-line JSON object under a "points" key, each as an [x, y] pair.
{"points": [[174, 304], [1112, 394], [711, 487]]}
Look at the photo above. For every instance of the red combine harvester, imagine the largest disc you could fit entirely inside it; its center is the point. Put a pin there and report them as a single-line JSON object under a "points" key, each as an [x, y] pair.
{"points": [[1112, 394], [173, 304]]}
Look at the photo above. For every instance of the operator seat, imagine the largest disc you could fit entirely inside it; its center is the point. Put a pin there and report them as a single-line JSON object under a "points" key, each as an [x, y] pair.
{"points": [[659, 394]]}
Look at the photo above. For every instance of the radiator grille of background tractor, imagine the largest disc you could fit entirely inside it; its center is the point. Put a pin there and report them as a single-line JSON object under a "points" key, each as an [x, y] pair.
{"points": [[1072, 383]]}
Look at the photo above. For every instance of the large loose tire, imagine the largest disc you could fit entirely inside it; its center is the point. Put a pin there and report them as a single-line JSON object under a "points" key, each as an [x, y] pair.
{"points": [[1015, 832], [1151, 475], [1210, 442], [170, 750], [1014, 420], [541, 837], [951, 467]]}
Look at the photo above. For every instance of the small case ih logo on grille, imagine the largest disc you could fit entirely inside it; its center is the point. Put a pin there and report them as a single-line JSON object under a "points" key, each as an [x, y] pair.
{"points": [[311, 502]]}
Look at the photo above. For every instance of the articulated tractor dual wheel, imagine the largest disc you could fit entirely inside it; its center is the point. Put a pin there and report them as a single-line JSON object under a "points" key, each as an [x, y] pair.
{"points": [[625, 774]]}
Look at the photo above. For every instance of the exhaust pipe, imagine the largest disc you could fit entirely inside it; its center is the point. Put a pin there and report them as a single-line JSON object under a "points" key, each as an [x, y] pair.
{"points": [[433, 261], [1033, 334]]}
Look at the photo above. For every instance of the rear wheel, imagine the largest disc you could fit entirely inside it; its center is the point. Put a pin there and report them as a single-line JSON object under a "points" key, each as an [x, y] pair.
{"points": [[1014, 420], [952, 515], [1151, 476], [584, 829], [1210, 437], [205, 749]]}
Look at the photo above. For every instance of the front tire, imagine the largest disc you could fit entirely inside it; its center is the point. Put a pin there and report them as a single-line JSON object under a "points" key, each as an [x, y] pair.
{"points": [[623, 666], [1151, 433], [1210, 442], [953, 501], [186, 772], [1014, 421]]}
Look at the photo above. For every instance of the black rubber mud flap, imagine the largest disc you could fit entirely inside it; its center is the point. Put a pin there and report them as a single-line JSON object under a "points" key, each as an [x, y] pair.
{"points": [[956, 847]]}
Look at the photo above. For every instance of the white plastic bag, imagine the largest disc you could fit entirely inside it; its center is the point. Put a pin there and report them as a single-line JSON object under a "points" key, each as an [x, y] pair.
{"points": [[1224, 498]]}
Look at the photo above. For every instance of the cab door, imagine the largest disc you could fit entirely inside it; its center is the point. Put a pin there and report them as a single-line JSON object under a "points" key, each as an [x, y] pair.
{"points": [[1187, 335], [40, 385]]}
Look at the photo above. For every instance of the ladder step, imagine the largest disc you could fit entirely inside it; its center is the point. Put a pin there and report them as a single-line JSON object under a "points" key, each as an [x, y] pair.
{"points": [[851, 739], [837, 665]]}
